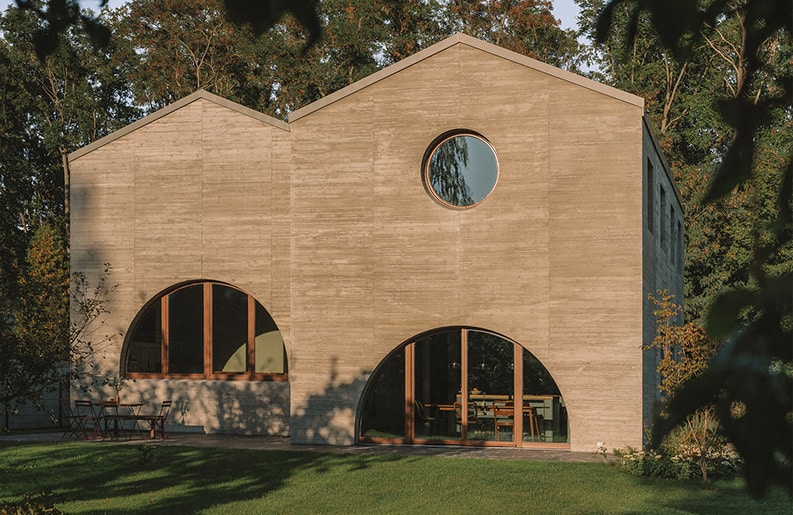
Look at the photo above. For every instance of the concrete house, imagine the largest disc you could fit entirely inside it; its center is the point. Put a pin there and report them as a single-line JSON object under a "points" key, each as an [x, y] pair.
{"points": [[457, 249]]}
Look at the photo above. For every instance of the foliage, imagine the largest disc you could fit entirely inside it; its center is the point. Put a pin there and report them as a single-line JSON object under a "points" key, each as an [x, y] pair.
{"points": [[698, 442], [172, 48], [89, 334], [35, 346], [685, 352], [524, 26], [300, 481], [50, 106], [58, 17], [262, 15], [740, 196], [40, 349], [30, 505], [685, 348], [679, 462]]}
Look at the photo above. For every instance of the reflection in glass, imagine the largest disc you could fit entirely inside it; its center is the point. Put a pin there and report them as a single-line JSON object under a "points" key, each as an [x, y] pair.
{"points": [[545, 414], [462, 170], [270, 353], [229, 329], [383, 414], [186, 330], [145, 346], [233, 335], [438, 376], [449, 406], [490, 384]]}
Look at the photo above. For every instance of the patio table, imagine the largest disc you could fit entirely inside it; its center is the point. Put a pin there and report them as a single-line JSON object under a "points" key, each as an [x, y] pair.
{"points": [[116, 414]]}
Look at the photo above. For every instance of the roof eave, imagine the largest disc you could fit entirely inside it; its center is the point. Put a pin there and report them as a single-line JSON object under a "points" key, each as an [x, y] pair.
{"points": [[475, 43], [165, 111]]}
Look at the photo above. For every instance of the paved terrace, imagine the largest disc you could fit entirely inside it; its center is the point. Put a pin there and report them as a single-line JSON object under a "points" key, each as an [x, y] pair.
{"points": [[284, 444]]}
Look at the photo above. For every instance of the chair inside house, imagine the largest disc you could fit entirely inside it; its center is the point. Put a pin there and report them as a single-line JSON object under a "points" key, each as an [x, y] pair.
{"points": [[530, 415], [473, 414], [503, 417], [425, 415], [157, 421]]}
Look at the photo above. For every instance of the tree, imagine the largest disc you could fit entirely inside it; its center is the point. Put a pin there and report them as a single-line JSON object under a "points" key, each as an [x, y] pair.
{"points": [[685, 351], [753, 311], [59, 17], [60, 103], [172, 48], [41, 350], [35, 350], [685, 348], [524, 26], [50, 106]]}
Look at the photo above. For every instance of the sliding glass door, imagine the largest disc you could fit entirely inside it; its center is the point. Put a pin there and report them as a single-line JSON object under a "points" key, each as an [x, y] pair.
{"points": [[463, 386]]}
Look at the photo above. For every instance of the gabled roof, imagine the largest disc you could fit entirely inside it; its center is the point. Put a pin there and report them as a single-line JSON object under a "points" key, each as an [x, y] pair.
{"points": [[165, 111], [463, 39], [457, 39]]}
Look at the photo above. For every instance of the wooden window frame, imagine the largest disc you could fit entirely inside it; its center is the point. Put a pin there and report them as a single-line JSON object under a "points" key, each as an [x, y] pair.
{"points": [[208, 374], [411, 438]]}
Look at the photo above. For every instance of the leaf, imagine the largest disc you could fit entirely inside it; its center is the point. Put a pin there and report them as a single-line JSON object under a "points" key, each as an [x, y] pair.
{"points": [[45, 41], [724, 313], [604, 22], [261, 15], [99, 33]]}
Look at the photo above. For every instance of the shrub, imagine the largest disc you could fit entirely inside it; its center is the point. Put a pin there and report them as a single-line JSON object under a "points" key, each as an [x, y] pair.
{"points": [[30, 505], [675, 460], [654, 464]]}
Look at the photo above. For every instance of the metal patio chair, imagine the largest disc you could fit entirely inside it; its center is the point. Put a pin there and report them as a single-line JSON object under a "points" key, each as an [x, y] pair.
{"points": [[157, 422], [73, 423]]}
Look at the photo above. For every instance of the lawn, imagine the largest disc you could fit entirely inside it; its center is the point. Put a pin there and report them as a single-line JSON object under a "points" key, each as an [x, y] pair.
{"points": [[95, 478]]}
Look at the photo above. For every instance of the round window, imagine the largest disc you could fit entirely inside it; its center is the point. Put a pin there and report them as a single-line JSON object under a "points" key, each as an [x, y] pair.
{"points": [[460, 170]]}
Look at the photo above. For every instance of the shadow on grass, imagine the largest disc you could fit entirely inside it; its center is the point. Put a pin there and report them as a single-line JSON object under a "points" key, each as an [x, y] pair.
{"points": [[125, 478], [97, 478]]}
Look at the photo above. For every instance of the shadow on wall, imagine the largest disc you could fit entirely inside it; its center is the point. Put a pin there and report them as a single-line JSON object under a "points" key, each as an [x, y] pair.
{"points": [[328, 417], [231, 407], [255, 408]]}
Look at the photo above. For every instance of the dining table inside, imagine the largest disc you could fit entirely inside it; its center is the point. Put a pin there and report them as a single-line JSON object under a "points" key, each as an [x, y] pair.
{"points": [[488, 415]]}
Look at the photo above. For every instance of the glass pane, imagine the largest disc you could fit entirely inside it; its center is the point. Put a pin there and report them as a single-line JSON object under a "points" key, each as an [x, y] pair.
{"points": [[186, 330], [544, 412], [462, 170], [383, 413], [491, 387], [269, 346], [438, 378], [145, 346], [229, 329]]}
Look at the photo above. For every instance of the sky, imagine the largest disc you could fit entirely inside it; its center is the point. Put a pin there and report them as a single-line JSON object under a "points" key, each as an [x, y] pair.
{"points": [[565, 10]]}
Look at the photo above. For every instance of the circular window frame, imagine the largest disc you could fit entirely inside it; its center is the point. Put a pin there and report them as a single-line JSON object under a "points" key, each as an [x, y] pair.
{"points": [[434, 146]]}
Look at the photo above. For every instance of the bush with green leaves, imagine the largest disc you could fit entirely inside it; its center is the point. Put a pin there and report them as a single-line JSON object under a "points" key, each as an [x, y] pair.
{"points": [[683, 457], [30, 504]]}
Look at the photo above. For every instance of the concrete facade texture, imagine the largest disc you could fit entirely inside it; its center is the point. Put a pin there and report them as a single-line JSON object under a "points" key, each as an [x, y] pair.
{"points": [[325, 220]]}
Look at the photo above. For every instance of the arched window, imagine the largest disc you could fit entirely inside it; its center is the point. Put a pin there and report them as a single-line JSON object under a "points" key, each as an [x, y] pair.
{"points": [[463, 386], [205, 330]]}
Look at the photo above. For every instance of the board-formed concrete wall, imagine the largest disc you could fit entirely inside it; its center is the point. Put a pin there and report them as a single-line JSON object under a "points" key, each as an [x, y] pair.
{"points": [[327, 223], [663, 256], [198, 192]]}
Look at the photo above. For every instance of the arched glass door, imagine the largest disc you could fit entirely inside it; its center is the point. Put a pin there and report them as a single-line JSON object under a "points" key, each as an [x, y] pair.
{"points": [[458, 386]]}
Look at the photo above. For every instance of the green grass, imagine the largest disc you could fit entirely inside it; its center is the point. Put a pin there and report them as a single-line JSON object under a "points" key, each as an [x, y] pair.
{"points": [[97, 478]]}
